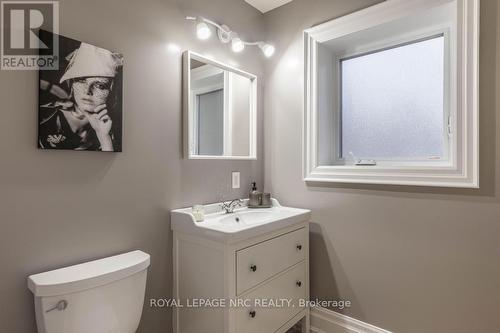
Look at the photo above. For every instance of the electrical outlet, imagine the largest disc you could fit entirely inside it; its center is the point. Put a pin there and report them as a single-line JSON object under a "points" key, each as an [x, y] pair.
{"points": [[236, 179]]}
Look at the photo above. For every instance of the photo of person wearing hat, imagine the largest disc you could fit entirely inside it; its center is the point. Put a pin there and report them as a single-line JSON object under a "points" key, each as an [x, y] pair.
{"points": [[81, 105]]}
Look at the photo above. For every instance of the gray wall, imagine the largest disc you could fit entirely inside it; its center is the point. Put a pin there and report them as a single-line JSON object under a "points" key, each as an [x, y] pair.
{"points": [[411, 260], [59, 208]]}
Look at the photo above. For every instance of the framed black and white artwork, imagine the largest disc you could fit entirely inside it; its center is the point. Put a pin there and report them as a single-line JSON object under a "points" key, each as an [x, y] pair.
{"points": [[80, 103]]}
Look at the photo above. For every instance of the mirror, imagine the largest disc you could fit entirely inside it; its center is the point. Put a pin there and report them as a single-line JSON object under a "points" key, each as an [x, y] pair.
{"points": [[219, 110]]}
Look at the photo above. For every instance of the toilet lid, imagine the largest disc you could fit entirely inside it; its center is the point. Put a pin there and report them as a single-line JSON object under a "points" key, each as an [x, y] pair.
{"points": [[88, 275]]}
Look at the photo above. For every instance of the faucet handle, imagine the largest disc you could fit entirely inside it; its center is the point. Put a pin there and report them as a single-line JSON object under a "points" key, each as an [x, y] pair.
{"points": [[223, 206], [229, 206]]}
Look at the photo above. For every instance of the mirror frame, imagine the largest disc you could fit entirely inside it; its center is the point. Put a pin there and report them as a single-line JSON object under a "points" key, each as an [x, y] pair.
{"points": [[187, 57]]}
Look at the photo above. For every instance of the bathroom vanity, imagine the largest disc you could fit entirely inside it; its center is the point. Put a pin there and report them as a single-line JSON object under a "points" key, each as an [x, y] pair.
{"points": [[243, 272]]}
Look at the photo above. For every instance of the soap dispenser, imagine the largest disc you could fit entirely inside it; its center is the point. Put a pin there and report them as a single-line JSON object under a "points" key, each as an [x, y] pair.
{"points": [[255, 196]]}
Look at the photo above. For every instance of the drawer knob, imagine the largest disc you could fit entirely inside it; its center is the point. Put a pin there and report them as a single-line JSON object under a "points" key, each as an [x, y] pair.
{"points": [[299, 283], [299, 247], [253, 268], [253, 314]]}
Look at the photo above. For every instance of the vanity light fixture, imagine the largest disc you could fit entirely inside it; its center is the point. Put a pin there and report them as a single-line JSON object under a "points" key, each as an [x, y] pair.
{"points": [[237, 45], [267, 49], [203, 30], [226, 35]]}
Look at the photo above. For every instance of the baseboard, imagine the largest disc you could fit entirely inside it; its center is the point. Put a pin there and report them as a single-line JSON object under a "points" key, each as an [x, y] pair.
{"points": [[328, 321]]}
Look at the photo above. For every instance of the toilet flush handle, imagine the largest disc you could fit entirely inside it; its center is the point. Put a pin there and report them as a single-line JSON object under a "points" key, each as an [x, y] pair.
{"points": [[60, 306]]}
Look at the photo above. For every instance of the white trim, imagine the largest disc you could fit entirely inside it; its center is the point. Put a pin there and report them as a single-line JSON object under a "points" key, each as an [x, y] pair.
{"points": [[208, 157], [205, 71], [187, 106], [265, 6], [328, 321], [464, 169]]}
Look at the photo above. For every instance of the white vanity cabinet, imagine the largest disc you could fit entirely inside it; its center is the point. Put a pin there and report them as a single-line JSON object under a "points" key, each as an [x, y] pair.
{"points": [[251, 280]]}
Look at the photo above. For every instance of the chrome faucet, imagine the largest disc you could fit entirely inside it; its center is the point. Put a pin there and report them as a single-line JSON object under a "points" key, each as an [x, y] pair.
{"points": [[229, 207]]}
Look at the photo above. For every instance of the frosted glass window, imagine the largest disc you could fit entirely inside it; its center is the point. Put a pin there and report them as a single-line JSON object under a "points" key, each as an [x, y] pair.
{"points": [[393, 102]]}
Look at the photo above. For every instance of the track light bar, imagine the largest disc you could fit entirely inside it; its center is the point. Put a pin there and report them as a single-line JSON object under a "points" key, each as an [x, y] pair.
{"points": [[226, 35]]}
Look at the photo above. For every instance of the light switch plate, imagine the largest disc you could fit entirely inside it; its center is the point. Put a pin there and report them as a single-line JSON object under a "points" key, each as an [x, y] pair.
{"points": [[236, 179]]}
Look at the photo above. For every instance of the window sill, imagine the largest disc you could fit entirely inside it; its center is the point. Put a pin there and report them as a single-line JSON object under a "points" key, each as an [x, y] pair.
{"points": [[429, 176]]}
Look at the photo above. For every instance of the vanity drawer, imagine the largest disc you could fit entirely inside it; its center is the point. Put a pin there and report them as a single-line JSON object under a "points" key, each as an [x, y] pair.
{"points": [[290, 285], [258, 263]]}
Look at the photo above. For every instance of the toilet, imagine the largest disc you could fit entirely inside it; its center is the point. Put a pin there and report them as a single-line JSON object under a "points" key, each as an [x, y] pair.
{"points": [[101, 296]]}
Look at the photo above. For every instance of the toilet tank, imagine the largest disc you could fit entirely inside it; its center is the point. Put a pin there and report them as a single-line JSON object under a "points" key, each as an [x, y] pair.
{"points": [[101, 296]]}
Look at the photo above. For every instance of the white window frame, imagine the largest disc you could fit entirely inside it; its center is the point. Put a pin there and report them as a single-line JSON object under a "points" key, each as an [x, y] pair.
{"points": [[461, 168]]}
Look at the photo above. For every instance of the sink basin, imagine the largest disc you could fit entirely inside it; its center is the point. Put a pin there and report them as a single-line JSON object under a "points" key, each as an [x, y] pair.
{"points": [[246, 218], [243, 223]]}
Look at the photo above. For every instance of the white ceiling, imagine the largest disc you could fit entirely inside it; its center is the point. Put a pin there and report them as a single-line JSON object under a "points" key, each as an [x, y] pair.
{"points": [[267, 5]]}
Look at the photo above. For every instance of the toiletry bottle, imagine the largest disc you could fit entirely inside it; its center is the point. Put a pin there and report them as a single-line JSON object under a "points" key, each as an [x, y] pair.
{"points": [[254, 197]]}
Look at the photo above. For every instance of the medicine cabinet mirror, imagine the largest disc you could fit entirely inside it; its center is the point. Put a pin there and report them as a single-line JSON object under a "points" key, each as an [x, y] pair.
{"points": [[392, 95], [220, 105]]}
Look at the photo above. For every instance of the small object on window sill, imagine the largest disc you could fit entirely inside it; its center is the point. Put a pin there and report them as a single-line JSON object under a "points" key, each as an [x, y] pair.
{"points": [[361, 162], [365, 162]]}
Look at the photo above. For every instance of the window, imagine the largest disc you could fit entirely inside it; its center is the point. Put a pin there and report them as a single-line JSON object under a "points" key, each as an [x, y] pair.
{"points": [[391, 95], [392, 103]]}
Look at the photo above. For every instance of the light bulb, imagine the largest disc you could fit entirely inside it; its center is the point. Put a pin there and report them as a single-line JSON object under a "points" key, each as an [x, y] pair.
{"points": [[267, 49], [203, 31], [237, 45]]}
